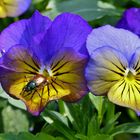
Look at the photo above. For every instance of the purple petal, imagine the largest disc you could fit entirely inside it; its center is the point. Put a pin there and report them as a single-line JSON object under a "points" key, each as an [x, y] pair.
{"points": [[135, 61], [130, 20], [20, 59], [67, 30], [120, 39], [138, 113], [106, 67], [22, 32]]}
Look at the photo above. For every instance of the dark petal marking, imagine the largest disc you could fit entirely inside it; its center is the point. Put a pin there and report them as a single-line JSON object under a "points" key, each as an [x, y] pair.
{"points": [[38, 94], [60, 66], [134, 94], [30, 72], [54, 88], [137, 69], [136, 65], [30, 66], [56, 63], [137, 82], [105, 79], [61, 73], [33, 95], [35, 63], [121, 63], [48, 89], [111, 70], [137, 88], [69, 83], [28, 93], [129, 92], [123, 87], [57, 84], [114, 71], [42, 91], [27, 64], [122, 70]]}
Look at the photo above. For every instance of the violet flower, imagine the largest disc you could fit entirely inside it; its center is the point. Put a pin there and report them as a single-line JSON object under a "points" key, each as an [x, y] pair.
{"points": [[44, 60], [130, 20], [114, 66]]}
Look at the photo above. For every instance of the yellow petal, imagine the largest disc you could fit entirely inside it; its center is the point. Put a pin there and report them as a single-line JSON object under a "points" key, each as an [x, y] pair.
{"points": [[3, 12], [38, 98], [68, 68], [126, 93]]}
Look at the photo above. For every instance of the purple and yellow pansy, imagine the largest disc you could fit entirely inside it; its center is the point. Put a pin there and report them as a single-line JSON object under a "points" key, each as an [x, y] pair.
{"points": [[44, 60], [114, 65]]}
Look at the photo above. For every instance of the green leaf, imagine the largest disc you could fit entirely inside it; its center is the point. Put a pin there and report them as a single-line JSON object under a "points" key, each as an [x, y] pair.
{"points": [[43, 136], [59, 117], [60, 125], [110, 110], [64, 109], [93, 126], [88, 9], [110, 124], [98, 102], [101, 137], [41, 4], [94, 137], [81, 137], [27, 136], [110, 119], [14, 120], [12, 101], [126, 128], [20, 136]]}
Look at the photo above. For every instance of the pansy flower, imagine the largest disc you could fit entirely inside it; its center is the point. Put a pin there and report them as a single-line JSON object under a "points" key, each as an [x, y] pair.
{"points": [[44, 60], [13, 8], [114, 65], [130, 20]]}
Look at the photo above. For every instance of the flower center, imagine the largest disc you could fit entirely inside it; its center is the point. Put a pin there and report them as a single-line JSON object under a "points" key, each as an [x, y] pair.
{"points": [[47, 72], [130, 74]]}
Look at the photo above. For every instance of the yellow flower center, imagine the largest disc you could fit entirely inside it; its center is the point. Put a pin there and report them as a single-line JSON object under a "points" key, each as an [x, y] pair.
{"points": [[130, 75], [47, 72]]}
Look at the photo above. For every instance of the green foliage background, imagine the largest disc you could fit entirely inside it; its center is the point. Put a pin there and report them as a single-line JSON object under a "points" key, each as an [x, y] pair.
{"points": [[92, 118]]}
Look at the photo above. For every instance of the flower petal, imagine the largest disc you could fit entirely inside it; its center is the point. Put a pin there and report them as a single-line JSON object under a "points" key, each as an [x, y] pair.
{"points": [[106, 66], [3, 13], [65, 78], [16, 7], [22, 32], [68, 68], [38, 98], [120, 39], [130, 20], [126, 94], [67, 30], [19, 59], [135, 63], [17, 67]]}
